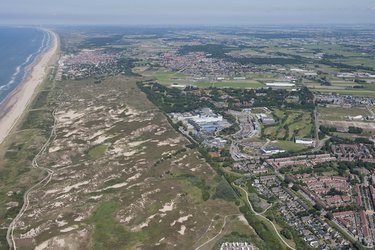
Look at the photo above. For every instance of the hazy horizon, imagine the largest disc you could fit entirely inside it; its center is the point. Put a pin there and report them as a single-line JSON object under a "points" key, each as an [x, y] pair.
{"points": [[193, 12]]}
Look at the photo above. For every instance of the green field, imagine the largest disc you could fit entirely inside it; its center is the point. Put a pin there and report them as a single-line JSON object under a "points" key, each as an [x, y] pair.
{"points": [[167, 77], [232, 84], [291, 123], [338, 113], [97, 151], [108, 233], [341, 86], [290, 146], [354, 92], [357, 61]]}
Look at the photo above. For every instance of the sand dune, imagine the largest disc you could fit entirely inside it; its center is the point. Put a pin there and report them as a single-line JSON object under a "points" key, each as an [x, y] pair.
{"points": [[16, 103]]}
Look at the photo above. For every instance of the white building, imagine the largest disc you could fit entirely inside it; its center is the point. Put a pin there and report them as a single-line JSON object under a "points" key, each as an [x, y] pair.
{"points": [[304, 141], [280, 84], [355, 118], [271, 150], [199, 118]]}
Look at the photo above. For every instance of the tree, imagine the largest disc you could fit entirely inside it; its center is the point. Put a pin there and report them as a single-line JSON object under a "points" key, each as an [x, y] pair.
{"points": [[295, 187], [329, 215], [286, 233], [318, 207], [355, 130]]}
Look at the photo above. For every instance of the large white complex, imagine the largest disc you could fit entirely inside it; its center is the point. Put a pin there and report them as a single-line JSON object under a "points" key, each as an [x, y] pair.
{"points": [[203, 116], [201, 121]]}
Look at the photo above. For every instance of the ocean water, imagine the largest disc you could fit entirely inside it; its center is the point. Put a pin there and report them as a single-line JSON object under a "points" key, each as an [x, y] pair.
{"points": [[19, 48]]}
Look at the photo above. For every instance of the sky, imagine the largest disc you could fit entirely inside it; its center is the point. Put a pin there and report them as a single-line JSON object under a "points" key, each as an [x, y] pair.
{"points": [[183, 12]]}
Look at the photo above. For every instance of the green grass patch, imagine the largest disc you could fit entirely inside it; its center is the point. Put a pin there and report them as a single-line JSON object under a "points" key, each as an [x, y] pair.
{"points": [[40, 100], [97, 151], [231, 84], [357, 61], [109, 233], [290, 146], [198, 183], [38, 119], [225, 191], [167, 78], [343, 135], [338, 113]]}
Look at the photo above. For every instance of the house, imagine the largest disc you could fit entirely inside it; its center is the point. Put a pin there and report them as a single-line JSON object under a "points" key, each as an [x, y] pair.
{"points": [[270, 150], [215, 154]]}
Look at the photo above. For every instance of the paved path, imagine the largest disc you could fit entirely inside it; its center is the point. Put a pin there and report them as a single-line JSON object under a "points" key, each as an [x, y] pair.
{"points": [[261, 215], [43, 182], [221, 230]]}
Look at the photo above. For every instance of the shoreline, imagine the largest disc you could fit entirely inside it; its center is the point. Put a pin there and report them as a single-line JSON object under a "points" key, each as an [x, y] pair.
{"points": [[12, 108]]}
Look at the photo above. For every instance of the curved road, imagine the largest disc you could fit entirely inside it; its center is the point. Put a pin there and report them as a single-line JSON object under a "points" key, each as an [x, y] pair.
{"points": [[261, 215], [45, 180]]}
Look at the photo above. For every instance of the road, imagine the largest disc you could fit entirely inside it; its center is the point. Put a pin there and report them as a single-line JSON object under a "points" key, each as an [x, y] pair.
{"points": [[261, 215], [248, 129], [316, 125], [43, 182]]}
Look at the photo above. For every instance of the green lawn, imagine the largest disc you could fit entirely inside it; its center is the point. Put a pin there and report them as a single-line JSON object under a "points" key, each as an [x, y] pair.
{"points": [[343, 135], [166, 78], [231, 84], [338, 113], [97, 151], [290, 146]]}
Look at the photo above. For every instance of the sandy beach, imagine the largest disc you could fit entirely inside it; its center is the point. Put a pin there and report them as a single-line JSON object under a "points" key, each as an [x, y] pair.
{"points": [[12, 109]]}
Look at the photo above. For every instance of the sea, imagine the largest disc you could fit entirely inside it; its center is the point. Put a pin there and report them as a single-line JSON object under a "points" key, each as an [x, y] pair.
{"points": [[19, 48]]}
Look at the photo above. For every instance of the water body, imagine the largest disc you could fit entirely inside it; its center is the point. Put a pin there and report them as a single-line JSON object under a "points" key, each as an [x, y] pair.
{"points": [[19, 48]]}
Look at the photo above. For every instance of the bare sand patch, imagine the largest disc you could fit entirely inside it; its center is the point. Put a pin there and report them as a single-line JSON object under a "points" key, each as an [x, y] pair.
{"points": [[68, 229], [167, 207], [182, 230]]}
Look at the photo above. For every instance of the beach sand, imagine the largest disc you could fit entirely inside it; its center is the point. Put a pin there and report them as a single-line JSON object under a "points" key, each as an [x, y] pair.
{"points": [[13, 107]]}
